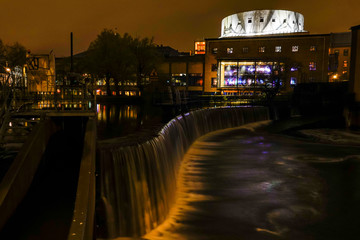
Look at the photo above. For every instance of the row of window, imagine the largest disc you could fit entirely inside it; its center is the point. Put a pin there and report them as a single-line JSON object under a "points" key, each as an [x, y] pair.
{"points": [[345, 52], [250, 20], [294, 48], [312, 67], [181, 79]]}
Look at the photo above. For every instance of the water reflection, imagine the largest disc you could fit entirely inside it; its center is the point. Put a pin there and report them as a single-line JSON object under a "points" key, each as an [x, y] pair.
{"points": [[116, 120]]}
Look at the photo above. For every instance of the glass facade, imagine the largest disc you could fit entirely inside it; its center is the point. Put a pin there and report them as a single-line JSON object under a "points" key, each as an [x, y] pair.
{"points": [[249, 74]]}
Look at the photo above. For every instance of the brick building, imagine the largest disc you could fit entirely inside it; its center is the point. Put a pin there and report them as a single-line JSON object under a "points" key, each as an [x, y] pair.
{"points": [[260, 49]]}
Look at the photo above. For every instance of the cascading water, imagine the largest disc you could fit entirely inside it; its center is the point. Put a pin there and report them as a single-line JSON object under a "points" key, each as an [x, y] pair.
{"points": [[138, 179]]}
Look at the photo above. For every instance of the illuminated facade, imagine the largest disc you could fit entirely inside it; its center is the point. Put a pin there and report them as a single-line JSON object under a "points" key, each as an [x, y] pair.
{"points": [[200, 47], [262, 22], [241, 74], [40, 71], [236, 65]]}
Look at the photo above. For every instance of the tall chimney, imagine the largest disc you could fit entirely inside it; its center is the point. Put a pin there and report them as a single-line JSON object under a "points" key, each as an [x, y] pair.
{"points": [[71, 53]]}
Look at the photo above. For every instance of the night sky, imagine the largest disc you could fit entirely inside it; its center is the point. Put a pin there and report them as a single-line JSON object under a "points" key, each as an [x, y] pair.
{"points": [[45, 25]]}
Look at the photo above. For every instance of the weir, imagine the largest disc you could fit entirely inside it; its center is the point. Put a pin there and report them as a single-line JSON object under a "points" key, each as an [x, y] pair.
{"points": [[138, 177]]}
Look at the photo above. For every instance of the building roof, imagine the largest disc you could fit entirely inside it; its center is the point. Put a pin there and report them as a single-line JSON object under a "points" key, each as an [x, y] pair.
{"points": [[355, 27], [340, 39], [291, 35]]}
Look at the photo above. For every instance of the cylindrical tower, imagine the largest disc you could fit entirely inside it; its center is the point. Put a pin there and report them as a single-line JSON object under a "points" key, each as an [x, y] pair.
{"points": [[262, 22]]}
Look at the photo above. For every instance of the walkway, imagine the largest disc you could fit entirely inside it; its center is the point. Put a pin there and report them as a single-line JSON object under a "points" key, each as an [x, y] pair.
{"points": [[47, 209], [240, 184]]}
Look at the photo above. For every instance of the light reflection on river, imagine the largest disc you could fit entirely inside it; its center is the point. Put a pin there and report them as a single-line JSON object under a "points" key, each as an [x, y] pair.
{"points": [[117, 120]]}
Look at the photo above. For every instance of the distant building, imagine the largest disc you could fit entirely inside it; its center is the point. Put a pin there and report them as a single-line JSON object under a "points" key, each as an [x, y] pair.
{"points": [[184, 71], [339, 56], [240, 64], [355, 63], [40, 72], [259, 49]]}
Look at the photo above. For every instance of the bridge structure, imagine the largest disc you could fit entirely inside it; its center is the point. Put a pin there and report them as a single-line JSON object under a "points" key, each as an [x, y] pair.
{"points": [[47, 147]]}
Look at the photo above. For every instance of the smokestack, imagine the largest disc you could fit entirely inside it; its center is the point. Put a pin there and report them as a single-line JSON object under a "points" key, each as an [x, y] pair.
{"points": [[71, 53]]}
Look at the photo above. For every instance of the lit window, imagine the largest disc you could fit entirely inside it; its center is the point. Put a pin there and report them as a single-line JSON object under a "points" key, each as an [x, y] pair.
{"points": [[261, 19], [346, 52], [199, 47], [214, 50], [249, 20], [245, 49], [295, 48], [345, 64], [214, 67], [214, 82], [261, 49], [293, 81], [293, 69], [312, 66], [230, 50], [337, 52], [312, 48], [277, 48]]}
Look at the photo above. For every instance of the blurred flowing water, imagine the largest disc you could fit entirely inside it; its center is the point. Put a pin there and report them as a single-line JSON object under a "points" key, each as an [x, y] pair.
{"points": [[241, 184], [138, 176]]}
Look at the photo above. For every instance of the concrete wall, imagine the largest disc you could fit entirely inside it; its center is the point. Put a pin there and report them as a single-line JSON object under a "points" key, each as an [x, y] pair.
{"points": [[84, 211], [18, 178]]}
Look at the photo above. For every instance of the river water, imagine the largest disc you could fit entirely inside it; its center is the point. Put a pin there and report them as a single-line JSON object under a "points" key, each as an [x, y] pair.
{"points": [[118, 120], [245, 184]]}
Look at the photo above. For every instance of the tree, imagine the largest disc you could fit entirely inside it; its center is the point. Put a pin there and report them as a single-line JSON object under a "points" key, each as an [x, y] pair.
{"points": [[121, 58], [15, 55], [12, 57], [2, 55], [110, 57], [146, 58]]}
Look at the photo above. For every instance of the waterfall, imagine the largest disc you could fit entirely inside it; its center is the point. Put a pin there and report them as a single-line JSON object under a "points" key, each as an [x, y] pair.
{"points": [[138, 178]]}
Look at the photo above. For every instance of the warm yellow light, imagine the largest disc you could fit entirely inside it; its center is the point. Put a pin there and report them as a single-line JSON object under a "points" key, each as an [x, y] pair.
{"points": [[8, 69]]}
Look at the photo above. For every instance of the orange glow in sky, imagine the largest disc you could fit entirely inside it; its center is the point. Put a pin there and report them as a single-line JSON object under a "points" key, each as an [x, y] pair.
{"points": [[42, 26]]}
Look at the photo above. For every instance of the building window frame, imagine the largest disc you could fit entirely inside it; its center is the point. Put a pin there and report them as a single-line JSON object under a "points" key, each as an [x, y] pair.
{"points": [[230, 50], [312, 48], [214, 82], [261, 49], [214, 67], [277, 49], [295, 48], [245, 49]]}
